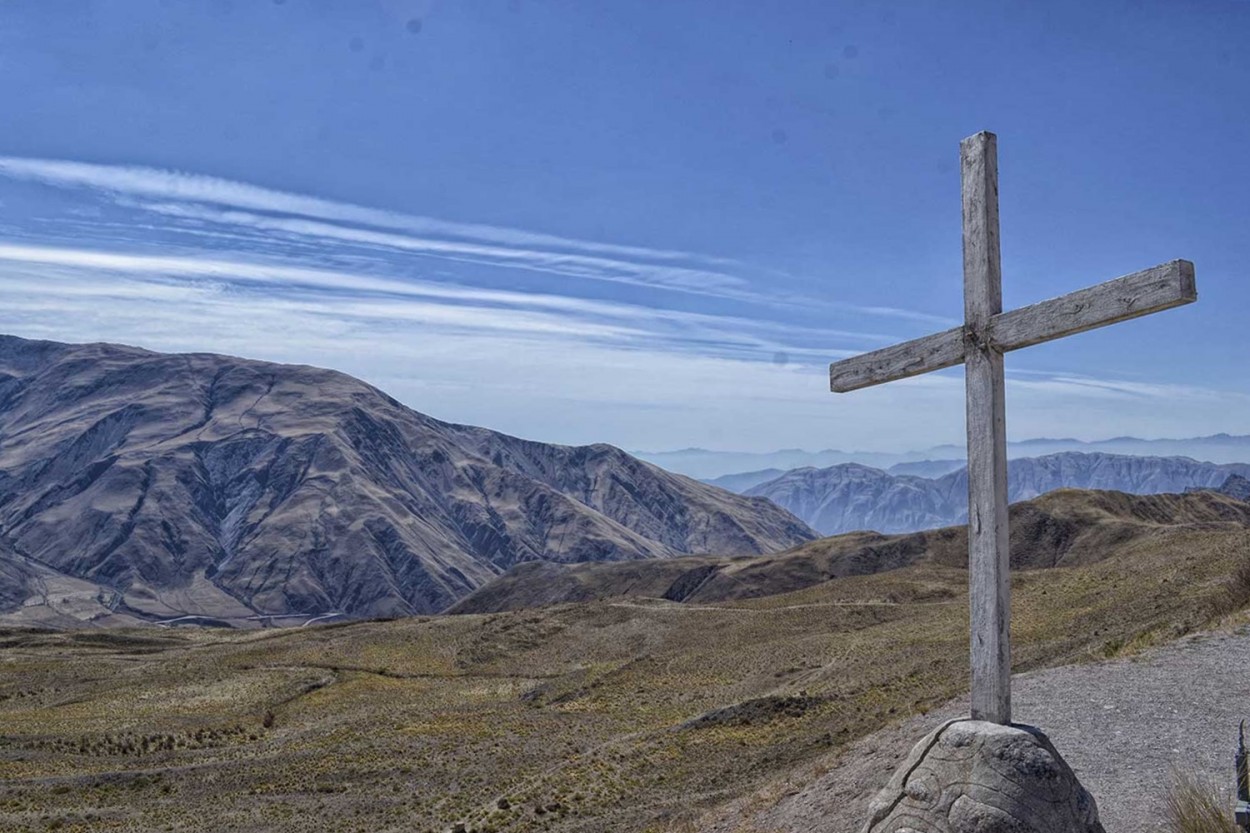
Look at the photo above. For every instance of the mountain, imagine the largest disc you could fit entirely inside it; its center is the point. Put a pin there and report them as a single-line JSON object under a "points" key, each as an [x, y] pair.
{"points": [[1061, 529], [745, 481], [708, 465], [739, 483], [142, 485], [1217, 448], [850, 496], [927, 468], [1237, 487]]}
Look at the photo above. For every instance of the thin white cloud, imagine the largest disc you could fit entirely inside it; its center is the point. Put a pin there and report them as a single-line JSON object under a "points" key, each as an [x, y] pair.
{"points": [[199, 199], [155, 183], [559, 369], [578, 265], [319, 281], [895, 312], [1122, 389], [184, 195], [59, 274]]}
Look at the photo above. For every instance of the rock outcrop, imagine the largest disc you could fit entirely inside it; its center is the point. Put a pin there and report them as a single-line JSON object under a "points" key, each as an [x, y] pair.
{"points": [[969, 776]]}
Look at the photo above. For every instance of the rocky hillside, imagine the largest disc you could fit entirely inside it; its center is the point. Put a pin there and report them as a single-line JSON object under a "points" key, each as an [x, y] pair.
{"points": [[138, 484], [850, 496], [1064, 528], [1237, 487]]}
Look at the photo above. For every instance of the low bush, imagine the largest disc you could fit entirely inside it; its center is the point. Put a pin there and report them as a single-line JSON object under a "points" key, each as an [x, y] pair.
{"points": [[1194, 806]]}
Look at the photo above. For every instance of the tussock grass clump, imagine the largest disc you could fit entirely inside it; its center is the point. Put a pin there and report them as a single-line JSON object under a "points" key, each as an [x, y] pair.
{"points": [[1237, 586], [1194, 806]]}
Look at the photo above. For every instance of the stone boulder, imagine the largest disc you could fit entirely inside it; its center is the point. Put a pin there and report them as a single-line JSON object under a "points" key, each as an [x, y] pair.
{"points": [[969, 776]]}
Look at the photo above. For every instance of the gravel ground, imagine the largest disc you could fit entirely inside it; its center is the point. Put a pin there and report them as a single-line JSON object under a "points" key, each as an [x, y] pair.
{"points": [[1122, 725]]}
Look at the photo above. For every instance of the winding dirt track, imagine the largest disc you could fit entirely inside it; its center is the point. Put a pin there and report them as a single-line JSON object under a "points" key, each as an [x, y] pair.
{"points": [[1124, 726]]}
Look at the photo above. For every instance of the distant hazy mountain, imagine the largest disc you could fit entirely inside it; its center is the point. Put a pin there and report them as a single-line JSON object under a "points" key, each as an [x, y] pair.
{"points": [[927, 468], [745, 481], [140, 484], [852, 497], [702, 463], [1217, 448], [739, 483], [708, 465]]}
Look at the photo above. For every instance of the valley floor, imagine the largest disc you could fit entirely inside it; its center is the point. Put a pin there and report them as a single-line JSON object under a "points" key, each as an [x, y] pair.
{"points": [[628, 715]]}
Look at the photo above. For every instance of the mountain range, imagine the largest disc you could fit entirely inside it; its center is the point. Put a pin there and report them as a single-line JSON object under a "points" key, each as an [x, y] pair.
{"points": [[851, 496], [709, 465], [137, 485], [1064, 528]]}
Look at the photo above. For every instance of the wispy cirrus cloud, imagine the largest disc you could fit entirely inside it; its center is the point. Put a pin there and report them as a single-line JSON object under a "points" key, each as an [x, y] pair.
{"points": [[140, 181], [243, 212], [185, 262], [59, 276], [231, 203]]}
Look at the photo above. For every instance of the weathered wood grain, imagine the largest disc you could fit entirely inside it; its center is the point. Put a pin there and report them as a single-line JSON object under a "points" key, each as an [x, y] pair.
{"points": [[911, 358], [1141, 293], [989, 591], [1151, 290]]}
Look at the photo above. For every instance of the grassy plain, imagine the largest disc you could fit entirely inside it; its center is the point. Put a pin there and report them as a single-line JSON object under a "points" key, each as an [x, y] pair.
{"points": [[621, 715]]}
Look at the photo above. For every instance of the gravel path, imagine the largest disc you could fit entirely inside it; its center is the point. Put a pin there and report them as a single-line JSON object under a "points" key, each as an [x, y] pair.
{"points": [[1122, 725]]}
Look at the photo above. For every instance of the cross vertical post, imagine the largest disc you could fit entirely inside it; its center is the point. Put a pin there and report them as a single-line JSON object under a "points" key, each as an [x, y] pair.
{"points": [[989, 590]]}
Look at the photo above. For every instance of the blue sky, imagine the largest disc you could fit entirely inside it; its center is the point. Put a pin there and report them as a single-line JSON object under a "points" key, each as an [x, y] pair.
{"points": [[651, 224]]}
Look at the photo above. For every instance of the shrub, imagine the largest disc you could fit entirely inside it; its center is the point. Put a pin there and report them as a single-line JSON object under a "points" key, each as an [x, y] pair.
{"points": [[1237, 586], [1193, 806]]}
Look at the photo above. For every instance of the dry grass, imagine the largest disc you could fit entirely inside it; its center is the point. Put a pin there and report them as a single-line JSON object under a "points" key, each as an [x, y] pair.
{"points": [[1237, 586], [1197, 807], [577, 718]]}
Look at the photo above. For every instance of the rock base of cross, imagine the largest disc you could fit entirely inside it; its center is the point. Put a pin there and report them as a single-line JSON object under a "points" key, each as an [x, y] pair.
{"points": [[970, 776]]}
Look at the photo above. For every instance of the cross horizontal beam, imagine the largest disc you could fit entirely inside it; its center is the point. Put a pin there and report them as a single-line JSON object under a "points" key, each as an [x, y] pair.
{"points": [[1141, 293]]}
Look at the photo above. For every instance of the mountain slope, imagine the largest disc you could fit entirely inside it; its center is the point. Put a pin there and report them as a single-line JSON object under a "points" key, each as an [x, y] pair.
{"points": [[1237, 487], [202, 484], [1064, 528], [850, 496], [742, 481]]}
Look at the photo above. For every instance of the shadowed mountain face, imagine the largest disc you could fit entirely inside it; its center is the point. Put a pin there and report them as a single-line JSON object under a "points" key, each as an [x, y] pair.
{"points": [[849, 497], [1237, 487], [161, 485], [1065, 528]]}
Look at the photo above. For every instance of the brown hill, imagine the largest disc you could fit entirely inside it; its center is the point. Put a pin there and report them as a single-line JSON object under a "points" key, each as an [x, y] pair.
{"points": [[1063, 528], [143, 485]]}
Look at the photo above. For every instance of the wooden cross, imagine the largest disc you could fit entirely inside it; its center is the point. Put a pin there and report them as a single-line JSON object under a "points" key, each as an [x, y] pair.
{"points": [[979, 344]]}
